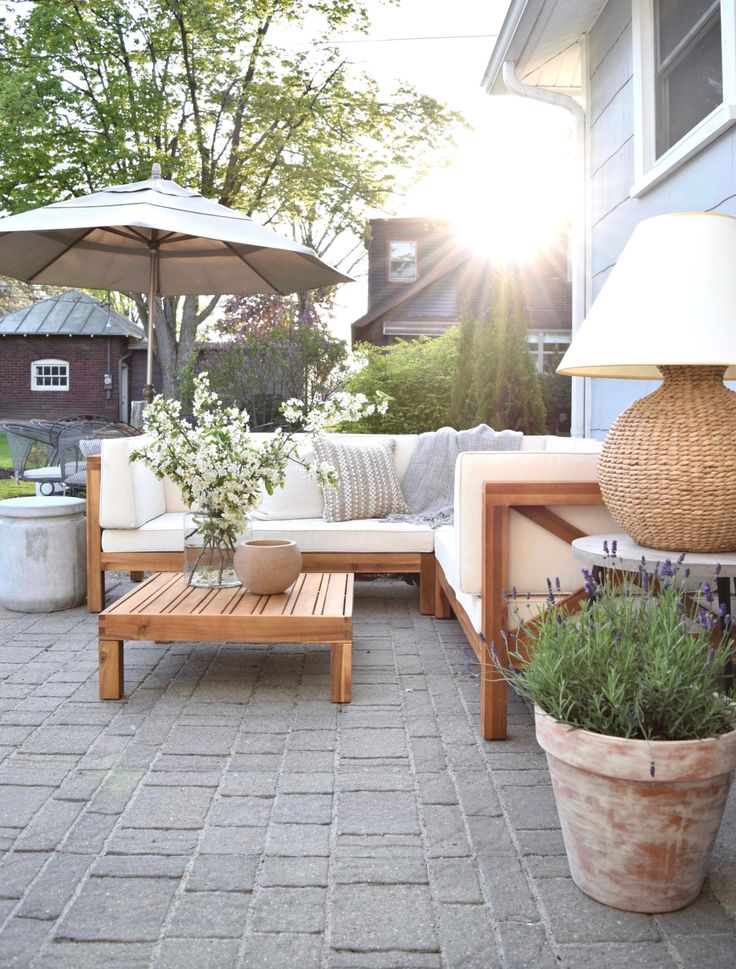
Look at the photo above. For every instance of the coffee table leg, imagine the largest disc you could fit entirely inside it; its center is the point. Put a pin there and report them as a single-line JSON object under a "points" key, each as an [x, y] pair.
{"points": [[111, 669], [341, 672]]}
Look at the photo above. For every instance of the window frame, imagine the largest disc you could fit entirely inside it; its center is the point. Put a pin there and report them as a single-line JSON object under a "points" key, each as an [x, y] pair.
{"points": [[49, 362], [648, 169], [544, 340], [405, 279]]}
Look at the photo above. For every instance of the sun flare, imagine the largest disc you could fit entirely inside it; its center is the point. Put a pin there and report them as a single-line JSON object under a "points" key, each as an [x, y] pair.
{"points": [[510, 187]]}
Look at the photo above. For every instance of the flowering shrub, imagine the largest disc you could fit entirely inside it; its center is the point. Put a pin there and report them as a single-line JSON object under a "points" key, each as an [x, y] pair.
{"points": [[217, 463], [641, 659]]}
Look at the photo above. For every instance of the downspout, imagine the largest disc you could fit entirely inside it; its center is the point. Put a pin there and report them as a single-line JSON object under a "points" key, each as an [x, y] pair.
{"points": [[579, 419]]}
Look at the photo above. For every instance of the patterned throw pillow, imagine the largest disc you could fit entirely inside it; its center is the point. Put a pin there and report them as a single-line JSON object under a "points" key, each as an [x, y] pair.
{"points": [[368, 486]]}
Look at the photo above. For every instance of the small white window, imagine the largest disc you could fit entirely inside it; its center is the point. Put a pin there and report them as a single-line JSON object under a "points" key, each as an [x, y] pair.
{"points": [[402, 262], [50, 375], [685, 82], [547, 349]]}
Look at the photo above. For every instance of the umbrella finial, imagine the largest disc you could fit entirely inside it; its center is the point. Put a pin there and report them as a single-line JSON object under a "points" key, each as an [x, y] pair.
{"points": [[155, 170]]}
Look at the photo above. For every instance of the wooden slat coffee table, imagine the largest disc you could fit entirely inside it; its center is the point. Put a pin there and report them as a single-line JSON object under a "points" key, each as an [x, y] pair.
{"points": [[318, 608]]}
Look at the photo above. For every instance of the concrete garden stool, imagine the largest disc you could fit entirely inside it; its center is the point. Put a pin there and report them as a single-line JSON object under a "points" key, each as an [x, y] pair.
{"points": [[43, 553]]}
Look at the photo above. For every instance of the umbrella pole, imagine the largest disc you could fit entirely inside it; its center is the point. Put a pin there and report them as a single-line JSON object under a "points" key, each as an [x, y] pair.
{"points": [[152, 279]]}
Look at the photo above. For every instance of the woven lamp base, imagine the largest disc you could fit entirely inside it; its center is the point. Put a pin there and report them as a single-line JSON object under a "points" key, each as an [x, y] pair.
{"points": [[668, 467]]}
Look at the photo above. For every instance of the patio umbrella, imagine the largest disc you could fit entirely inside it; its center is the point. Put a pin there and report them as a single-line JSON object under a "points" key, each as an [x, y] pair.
{"points": [[158, 238]]}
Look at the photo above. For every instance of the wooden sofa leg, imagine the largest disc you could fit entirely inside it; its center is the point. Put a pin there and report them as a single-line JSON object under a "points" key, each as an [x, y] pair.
{"points": [[493, 694], [95, 590], [427, 583], [442, 607], [136, 576]]}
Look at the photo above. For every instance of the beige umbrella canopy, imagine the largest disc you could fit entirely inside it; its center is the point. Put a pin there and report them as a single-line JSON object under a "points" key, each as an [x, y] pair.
{"points": [[158, 238]]}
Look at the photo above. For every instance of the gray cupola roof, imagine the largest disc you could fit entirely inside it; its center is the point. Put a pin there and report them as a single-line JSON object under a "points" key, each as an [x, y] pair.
{"points": [[70, 314]]}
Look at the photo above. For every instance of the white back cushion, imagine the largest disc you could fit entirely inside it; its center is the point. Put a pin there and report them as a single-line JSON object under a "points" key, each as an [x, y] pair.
{"points": [[301, 497], [130, 494], [534, 554]]}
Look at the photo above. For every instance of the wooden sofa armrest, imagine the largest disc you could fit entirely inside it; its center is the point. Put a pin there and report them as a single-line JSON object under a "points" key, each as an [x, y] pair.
{"points": [[530, 499]]}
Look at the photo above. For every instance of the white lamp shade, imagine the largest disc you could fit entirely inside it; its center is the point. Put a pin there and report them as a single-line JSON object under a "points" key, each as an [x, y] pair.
{"points": [[670, 299]]}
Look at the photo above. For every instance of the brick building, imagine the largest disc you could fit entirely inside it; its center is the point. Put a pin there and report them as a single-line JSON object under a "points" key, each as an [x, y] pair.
{"points": [[68, 355], [421, 280]]}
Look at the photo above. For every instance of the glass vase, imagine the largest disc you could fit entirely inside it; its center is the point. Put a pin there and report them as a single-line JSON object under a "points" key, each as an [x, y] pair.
{"points": [[208, 554]]}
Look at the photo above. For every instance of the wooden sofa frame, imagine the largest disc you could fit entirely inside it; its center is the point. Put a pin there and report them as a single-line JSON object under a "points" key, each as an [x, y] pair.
{"points": [[530, 499], [99, 562]]}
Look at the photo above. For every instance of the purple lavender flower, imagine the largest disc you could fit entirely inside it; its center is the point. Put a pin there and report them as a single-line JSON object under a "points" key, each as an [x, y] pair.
{"points": [[718, 568], [667, 569], [680, 558], [614, 547], [617, 637], [707, 592], [605, 547], [652, 769], [558, 584]]}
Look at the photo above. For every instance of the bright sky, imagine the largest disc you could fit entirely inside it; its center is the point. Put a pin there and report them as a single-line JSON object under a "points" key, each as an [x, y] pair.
{"points": [[510, 179]]}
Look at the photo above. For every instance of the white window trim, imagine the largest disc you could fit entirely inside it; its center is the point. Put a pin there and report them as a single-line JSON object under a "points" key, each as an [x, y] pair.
{"points": [[49, 363], [649, 170], [403, 279]]}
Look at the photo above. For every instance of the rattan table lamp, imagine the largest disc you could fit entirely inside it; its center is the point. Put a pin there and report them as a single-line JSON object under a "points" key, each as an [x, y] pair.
{"points": [[668, 311]]}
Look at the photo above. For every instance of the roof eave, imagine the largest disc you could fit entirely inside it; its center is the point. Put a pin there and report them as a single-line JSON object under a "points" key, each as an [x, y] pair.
{"points": [[517, 25]]}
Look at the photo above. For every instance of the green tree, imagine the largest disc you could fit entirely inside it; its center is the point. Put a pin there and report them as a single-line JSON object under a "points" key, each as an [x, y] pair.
{"points": [[498, 383], [93, 91], [556, 394], [463, 404], [418, 377], [273, 353]]}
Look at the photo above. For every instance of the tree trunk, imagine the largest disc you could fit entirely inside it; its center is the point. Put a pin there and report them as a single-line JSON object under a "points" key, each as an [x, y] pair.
{"points": [[174, 344]]}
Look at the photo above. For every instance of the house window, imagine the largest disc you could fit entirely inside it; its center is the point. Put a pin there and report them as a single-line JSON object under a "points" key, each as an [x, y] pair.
{"points": [[49, 375], [689, 71], [684, 82], [402, 262], [547, 349]]}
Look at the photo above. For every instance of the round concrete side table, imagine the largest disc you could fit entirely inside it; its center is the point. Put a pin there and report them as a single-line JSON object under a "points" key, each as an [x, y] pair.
{"points": [[43, 553]]}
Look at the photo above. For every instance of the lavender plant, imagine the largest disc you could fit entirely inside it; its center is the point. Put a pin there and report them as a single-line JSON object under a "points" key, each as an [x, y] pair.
{"points": [[638, 660]]}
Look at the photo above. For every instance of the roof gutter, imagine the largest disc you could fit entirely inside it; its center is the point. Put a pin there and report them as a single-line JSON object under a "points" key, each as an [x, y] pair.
{"points": [[508, 35], [580, 390]]}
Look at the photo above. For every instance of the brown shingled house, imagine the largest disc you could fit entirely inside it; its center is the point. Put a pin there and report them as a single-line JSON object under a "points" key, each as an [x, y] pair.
{"points": [[421, 280]]}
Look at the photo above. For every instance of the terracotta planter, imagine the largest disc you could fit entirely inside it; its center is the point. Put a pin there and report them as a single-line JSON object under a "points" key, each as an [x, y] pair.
{"points": [[267, 566], [633, 841]]}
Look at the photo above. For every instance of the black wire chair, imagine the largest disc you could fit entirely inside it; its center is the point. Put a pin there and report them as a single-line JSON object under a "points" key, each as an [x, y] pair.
{"points": [[51, 454]]}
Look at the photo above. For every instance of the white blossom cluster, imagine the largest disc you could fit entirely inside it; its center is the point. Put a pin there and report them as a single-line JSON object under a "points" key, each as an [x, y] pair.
{"points": [[341, 407], [217, 463]]}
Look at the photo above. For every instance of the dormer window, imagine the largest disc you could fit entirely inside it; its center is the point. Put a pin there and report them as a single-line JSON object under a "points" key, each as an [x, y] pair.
{"points": [[402, 261]]}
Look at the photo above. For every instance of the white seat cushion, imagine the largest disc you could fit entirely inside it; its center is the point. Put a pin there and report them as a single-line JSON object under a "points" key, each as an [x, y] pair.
{"points": [[365, 535], [165, 533]]}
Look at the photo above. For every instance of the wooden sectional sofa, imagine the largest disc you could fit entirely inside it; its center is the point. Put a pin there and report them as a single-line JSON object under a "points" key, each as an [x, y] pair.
{"points": [[515, 515]]}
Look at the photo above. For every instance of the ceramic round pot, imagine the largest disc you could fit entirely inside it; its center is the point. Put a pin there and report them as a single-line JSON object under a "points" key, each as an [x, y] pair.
{"points": [[639, 819], [267, 566]]}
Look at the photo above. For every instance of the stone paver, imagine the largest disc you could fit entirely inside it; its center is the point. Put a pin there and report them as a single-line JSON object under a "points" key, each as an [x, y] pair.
{"points": [[226, 815]]}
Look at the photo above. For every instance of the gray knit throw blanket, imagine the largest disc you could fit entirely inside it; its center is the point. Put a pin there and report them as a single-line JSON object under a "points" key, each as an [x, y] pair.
{"points": [[430, 478]]}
